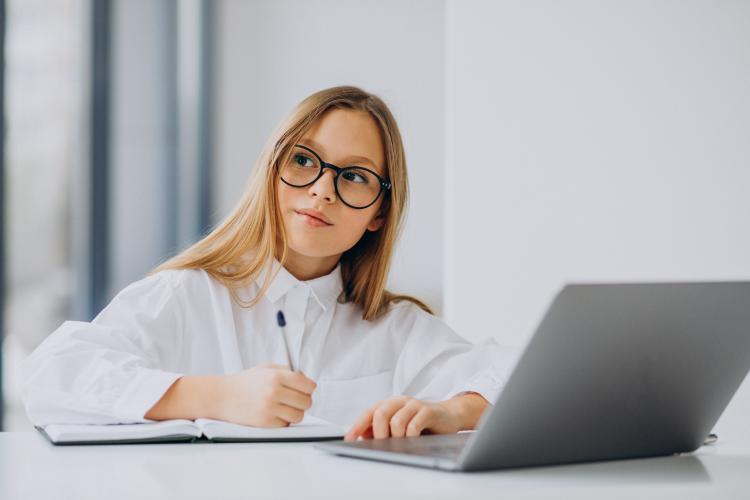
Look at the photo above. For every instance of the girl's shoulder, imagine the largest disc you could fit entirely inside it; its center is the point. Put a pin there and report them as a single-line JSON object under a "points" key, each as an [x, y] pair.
{"points": [[404, 315]]}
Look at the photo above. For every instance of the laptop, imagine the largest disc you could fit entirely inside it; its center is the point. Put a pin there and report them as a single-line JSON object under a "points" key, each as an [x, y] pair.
{"points": [[613, 371]]}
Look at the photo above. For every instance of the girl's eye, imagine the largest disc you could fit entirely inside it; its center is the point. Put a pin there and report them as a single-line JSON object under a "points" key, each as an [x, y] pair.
{"points": [[355, 177], [303, 161]]}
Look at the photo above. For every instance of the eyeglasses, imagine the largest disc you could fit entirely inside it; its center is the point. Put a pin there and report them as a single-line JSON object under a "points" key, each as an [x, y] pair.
{"points": [[357, 187]]}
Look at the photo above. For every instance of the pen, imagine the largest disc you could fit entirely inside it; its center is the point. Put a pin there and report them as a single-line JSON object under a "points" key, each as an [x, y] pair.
{"points": [[282, 323]]}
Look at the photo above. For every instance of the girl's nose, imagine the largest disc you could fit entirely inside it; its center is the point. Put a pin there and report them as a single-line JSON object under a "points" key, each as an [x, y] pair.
{"points": [[324, 187]]}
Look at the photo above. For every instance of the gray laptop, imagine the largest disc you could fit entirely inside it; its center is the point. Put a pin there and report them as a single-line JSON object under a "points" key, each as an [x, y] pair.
{"points": [[613, 371]]}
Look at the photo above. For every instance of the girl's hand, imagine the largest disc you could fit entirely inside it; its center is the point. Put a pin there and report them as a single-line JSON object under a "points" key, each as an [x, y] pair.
{"points": [[265, 396], [405, 416]]}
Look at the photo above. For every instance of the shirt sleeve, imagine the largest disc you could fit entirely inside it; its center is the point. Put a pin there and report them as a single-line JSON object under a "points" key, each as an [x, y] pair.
{"points": [[113, 369], [437, 364]]}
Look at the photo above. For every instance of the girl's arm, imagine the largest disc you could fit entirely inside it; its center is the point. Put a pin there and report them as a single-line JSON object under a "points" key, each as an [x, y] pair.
{"points": [[112, 369], [190, 397], [262, 396], [436, 364], [469, 407]]}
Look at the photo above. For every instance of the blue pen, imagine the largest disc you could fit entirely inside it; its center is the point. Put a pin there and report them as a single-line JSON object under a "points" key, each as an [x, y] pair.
{"points": [[282, 323]]}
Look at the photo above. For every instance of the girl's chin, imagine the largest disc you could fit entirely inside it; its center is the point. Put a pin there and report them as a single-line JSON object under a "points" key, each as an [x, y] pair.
{"points": [[306, 249]]}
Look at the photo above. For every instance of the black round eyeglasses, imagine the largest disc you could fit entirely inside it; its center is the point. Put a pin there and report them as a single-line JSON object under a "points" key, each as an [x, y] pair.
{"points": [[357, 187]]}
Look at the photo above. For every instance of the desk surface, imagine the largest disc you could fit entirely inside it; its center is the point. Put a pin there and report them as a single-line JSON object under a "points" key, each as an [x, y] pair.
{"points": [[31, 468]]}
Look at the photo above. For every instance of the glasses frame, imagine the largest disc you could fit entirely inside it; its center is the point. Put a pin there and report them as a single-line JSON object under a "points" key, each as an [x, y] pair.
{"points": [[384, 185]]}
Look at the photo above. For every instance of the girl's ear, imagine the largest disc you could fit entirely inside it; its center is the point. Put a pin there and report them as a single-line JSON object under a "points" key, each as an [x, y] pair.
{"points": [[376, 222]]}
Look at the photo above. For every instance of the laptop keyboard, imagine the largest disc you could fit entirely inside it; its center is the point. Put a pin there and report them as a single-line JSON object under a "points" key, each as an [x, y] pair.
{"points": [[438, 445]]}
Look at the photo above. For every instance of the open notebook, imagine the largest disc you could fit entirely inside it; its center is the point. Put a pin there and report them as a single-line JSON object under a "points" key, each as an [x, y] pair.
{"points": [[309, 429]]}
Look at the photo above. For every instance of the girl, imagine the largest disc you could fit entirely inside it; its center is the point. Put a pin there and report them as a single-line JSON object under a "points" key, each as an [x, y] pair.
{"points": [[313, 237]]}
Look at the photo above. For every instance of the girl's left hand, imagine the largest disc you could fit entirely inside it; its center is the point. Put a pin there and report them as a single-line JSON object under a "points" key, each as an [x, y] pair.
{"points": [[405, 416]]}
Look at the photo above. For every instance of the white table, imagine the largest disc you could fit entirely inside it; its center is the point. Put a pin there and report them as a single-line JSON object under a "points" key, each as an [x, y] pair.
{"points": [[31, 468]]}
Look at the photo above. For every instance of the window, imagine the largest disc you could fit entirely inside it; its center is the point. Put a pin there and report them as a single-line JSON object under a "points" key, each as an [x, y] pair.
{"points": [[43, 81]]}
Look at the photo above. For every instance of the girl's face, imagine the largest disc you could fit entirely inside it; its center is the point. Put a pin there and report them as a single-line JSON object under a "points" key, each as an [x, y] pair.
{"points": [[344, 138]]}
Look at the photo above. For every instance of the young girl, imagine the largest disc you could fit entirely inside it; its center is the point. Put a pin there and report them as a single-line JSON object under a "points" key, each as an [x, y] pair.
{"points": [[313, 237]]}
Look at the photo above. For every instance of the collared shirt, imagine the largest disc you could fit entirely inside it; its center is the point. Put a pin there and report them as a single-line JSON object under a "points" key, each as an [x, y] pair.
{"points": [[183, 322]]}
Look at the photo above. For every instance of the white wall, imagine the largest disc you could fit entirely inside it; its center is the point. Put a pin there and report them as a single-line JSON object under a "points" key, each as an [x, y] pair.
{"points": [[591, 141], [274, 54]]}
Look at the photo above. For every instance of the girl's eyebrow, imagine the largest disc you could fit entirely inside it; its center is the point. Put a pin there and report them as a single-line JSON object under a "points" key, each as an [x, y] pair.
{"points": [[352, 158]]}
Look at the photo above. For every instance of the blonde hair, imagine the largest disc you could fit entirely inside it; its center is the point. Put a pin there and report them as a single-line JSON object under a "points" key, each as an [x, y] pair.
{"points": [[238, 250]]}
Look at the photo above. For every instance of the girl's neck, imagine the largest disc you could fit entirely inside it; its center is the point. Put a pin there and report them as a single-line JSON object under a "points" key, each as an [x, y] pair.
{"points": [[306, 268]]}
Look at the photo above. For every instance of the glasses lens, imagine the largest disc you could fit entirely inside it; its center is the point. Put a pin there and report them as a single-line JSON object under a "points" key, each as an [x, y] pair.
{"points": [[358, 187], [301, 168]]}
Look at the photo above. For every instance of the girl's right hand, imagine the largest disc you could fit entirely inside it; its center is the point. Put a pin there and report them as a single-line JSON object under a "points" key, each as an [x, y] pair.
{"points": [[266, 396]]}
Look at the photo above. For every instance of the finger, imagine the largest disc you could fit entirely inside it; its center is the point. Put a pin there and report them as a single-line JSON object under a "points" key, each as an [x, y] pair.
{"points": [[402, 417], [381, 417], [298, 381], [288, 414], [276, 422], [359, 426], [293, 398], [419, 422]]}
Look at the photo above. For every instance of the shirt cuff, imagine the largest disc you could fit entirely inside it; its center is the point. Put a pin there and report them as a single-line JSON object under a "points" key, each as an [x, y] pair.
{"points": [[483, 384], [143, 392]]}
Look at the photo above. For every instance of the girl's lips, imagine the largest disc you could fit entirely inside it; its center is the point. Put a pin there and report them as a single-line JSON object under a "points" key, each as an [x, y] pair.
{"points": [[312, 221]]}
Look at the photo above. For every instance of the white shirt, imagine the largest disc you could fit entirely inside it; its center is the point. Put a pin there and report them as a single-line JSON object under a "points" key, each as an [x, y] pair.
{"points": [[183, 322]]}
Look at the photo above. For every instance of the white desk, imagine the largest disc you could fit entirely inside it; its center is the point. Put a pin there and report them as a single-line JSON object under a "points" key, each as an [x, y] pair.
{"points": [[31, 468]]}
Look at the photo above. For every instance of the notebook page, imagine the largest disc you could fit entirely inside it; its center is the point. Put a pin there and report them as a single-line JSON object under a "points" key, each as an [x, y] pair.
{"points": [[309, 427], [61, 433]]}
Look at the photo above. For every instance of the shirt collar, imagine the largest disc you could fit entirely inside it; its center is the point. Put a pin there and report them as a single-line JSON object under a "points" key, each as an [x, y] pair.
{"points": [[325, 289]]}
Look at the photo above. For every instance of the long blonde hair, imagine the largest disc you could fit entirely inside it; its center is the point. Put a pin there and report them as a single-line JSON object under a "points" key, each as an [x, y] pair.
{"points": [[238, 250]]}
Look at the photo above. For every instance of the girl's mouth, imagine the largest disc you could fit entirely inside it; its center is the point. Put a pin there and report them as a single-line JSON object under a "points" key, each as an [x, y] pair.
{"points": [[312, 221]]}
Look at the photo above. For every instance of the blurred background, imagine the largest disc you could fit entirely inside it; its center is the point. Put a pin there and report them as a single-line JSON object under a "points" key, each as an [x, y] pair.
{"points": [[547, 142]]}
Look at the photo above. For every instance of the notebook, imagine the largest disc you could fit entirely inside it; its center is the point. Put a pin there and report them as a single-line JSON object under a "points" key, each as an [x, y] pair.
{"points": [[203, 429]]}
